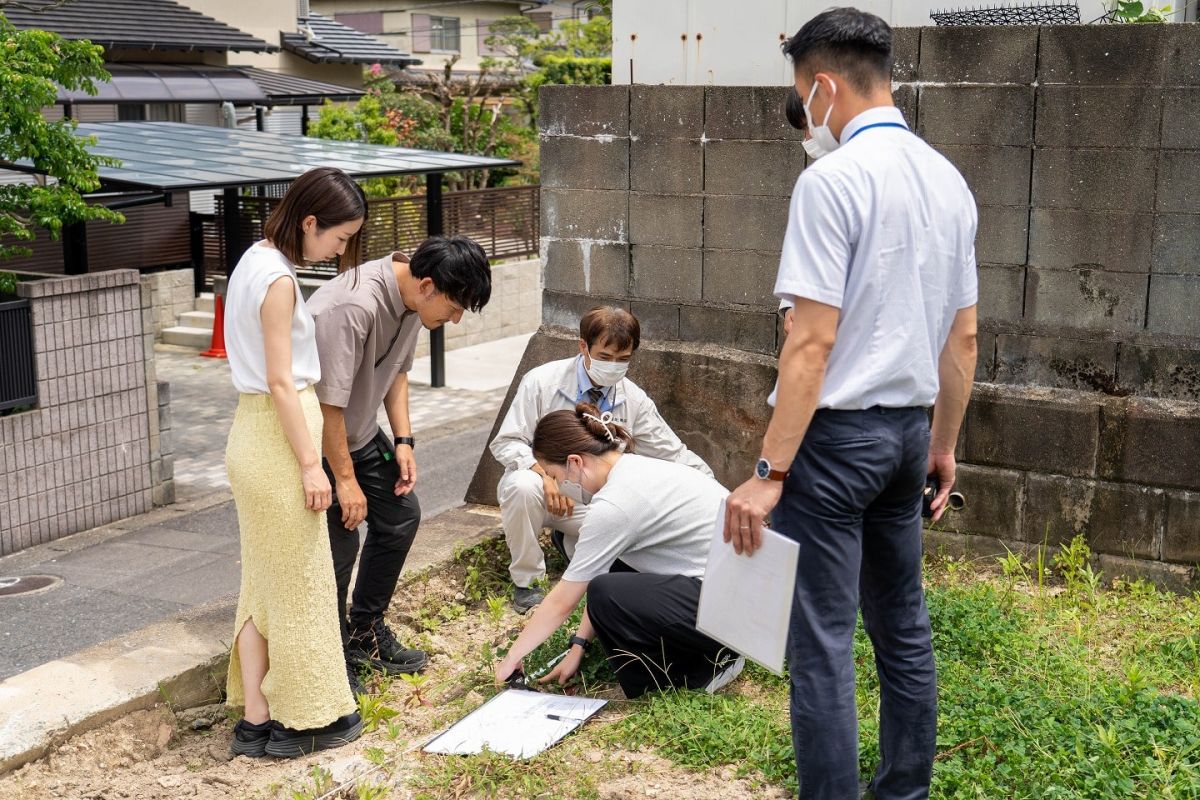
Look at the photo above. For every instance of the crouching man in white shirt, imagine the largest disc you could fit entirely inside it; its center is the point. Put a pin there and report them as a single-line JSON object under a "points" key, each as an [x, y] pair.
{"points": [[529, 498]]}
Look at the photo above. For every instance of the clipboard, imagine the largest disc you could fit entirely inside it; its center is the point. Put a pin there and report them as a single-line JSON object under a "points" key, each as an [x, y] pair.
{"points": [[516, 722]]}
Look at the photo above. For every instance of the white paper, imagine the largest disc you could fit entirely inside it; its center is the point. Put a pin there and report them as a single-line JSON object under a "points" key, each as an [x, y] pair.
{"points": [[746, 601], [516, 722]]}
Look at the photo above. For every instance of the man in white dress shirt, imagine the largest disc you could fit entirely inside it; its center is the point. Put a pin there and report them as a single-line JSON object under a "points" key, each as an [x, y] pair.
{"points": [[879, 262], [529, 498]]}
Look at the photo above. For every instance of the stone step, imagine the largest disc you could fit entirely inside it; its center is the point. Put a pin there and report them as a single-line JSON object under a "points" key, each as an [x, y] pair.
{"points": [[196, 319], [181, 335], [205, 302]]}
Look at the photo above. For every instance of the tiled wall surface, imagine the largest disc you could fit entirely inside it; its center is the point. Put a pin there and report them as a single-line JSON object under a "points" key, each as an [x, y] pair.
{"points": [[82, 457]]}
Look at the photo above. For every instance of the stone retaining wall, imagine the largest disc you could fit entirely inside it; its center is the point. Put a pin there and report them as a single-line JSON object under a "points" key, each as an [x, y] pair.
{"points": [[1081, 145]]}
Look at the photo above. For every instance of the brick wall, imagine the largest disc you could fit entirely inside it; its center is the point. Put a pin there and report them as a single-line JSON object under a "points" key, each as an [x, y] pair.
{"points": [[1080, 144], [82, 458]]}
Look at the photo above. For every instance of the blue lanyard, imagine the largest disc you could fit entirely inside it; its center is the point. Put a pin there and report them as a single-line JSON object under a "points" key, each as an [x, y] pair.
{"points": [[878, 125]]}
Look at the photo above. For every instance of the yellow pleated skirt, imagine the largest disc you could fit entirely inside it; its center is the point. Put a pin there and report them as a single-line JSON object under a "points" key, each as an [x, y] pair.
{"points": [[287, 585]]}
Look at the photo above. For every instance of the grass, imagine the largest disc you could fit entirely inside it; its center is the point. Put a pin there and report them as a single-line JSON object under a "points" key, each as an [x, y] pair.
{"points": [[1053, 683]]}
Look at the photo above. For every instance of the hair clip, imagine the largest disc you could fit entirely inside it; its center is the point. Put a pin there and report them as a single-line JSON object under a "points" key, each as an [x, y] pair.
{"points": [[604, 419]]}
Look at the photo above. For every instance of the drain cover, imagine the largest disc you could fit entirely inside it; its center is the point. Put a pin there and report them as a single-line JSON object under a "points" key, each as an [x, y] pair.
{"points": [[27, 584]]}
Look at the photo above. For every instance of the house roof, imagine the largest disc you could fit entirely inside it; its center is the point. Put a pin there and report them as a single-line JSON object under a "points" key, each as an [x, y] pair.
{"points": [[335, 43], [292, 90], [200, 83], [152, 24], [173, 156]]}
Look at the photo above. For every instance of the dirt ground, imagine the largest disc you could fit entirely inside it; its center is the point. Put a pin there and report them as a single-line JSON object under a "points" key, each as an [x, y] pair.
{"points": [[161, 753]]}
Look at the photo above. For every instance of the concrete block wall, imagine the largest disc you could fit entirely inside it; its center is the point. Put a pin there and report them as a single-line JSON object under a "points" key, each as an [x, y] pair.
{"points": [[171, 293], [82, 457], [1080, 144]]}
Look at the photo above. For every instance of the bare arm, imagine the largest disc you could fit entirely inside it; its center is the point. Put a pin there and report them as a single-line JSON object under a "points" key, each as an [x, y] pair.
{"points": [[276, 314], [802, 365], [956, 375], [547, 618], [395, 403]]}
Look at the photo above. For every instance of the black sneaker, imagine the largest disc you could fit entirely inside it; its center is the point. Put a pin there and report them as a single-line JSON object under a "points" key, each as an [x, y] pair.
{"points": [[290, 743], [376, 646], [250, 739], [356, 685]]}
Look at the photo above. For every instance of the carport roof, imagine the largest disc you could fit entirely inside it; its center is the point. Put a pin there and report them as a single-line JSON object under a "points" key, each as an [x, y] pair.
{"points": [[173, 156]]}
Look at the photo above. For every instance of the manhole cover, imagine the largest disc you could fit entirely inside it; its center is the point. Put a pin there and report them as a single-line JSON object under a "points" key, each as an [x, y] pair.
{"points": [[27, 584]]}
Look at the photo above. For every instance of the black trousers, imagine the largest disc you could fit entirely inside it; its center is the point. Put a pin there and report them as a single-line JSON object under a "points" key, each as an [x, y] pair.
{"points": [[391, 527], [647, 624]]}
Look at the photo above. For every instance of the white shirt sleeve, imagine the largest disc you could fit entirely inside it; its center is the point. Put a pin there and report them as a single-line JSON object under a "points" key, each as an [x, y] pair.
{"points": [[603, 538], [817, 247], [512, 445], [653, 437], [968, 288]]}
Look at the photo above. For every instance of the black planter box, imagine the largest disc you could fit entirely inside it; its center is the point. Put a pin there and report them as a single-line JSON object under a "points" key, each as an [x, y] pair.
{"points": [[18, 379]]}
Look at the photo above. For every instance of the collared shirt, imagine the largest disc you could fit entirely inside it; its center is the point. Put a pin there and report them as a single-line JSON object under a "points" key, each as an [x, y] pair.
{"points": [[555, 386], [883, 228], [366, 337], [585, 384]]}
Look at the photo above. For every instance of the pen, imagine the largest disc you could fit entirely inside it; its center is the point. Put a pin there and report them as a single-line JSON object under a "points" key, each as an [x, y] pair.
{"points": [[557, 718]]}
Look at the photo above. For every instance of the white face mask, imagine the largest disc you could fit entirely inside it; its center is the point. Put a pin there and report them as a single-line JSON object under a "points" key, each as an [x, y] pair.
{"points": [[574, 490], [823, 142], [607, 373]]}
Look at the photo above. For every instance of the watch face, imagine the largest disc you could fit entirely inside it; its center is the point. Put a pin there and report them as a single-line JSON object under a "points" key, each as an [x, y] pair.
{"points": [[763, 468]]}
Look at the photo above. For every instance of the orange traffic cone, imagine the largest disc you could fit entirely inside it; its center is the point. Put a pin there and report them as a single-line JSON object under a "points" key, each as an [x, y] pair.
{"points": [[217, 348]]}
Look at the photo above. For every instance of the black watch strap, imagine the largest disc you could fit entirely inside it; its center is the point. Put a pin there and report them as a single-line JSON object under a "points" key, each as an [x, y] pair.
{"points": [[408, 440], [579, 640]]}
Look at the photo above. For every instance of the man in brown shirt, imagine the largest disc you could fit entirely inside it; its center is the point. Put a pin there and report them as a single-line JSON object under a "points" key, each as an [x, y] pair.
{"points": [[367, 322]]}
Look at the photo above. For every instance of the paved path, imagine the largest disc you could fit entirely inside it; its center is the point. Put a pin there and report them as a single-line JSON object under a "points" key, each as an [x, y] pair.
{"points": [[134, 572]]}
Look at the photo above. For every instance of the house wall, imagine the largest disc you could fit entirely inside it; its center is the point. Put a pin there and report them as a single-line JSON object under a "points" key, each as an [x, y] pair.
{"points": [[737, 44], [396, 26], [1079, 144]]}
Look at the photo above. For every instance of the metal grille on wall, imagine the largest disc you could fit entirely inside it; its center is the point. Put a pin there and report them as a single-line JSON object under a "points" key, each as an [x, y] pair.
{"points": [[1036, 14], [504, 221]]}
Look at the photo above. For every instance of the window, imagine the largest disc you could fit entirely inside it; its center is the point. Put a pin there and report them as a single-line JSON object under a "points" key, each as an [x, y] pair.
{"points": [[443, 34], [155, 112]]}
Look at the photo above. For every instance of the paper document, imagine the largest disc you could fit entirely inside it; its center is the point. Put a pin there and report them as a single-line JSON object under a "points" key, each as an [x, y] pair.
{"points": [[515, 722], [746, 601]]}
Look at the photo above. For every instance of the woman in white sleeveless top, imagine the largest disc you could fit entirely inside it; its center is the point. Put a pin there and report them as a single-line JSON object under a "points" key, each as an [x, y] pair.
{"points": [[286, 666]]}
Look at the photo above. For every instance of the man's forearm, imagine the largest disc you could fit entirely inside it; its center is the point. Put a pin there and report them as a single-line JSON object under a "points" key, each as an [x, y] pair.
{"points": [[395, 403], [956, 375], [801, 374], [333, 443]]}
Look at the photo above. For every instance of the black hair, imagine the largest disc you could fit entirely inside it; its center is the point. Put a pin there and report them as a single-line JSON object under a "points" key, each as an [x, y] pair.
{"points": [[458, 267], [853, 43], [793, 109]]}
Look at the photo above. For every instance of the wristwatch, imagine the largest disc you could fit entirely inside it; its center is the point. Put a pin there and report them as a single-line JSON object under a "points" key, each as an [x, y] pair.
{"points": [[408, 440], [763, 471], [579, 640]]}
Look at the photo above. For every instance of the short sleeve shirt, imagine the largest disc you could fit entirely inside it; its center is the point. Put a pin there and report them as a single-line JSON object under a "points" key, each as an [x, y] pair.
{"points": [[883, 228], [366, 337], [656, 516]]}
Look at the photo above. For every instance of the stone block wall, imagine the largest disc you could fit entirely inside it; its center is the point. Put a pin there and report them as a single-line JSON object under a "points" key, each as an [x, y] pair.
{"points": [[1081, 146], [83, 457], [168, 294]]}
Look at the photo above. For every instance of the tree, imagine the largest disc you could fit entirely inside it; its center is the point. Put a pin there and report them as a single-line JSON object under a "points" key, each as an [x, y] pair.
{"points": [[33, 64], [577, 52]]}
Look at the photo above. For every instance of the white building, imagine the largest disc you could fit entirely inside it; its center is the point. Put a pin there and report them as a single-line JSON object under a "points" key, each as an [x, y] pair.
{"points": [[737, 43]]}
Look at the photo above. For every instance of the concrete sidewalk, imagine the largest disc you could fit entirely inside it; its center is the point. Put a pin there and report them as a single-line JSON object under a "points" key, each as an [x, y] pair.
{"points": [[181, 660], [134, 572]]}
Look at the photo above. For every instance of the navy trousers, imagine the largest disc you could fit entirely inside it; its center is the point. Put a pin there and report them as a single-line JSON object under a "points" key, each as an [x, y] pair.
{"points": [[852, 499]]}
